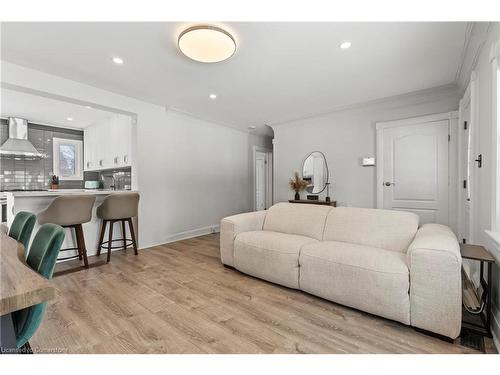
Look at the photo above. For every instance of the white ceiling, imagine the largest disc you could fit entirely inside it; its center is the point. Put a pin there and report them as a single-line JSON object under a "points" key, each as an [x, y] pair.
{"points": [[280, 71], [48, 111]]}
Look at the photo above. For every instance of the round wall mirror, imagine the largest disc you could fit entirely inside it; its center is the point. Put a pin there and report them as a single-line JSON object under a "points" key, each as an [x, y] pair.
{"points": [[315, 172]]}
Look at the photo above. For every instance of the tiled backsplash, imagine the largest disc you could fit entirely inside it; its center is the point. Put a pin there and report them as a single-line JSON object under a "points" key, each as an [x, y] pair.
{"points": [[121, 177], [30, 174]]}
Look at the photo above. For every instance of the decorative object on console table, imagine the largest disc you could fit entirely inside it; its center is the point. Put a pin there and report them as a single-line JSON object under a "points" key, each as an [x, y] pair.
{"points": [[311, 197], [297, 184], [54, 182], [478, 320], [314, 201], [327, 192]]}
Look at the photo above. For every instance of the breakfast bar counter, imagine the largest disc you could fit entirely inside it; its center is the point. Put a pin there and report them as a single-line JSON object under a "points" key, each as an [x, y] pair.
{"points": [[37, 201]]}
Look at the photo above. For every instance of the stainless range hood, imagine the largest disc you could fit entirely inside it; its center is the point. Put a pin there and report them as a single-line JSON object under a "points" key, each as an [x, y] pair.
{"points": [[17, 144]]}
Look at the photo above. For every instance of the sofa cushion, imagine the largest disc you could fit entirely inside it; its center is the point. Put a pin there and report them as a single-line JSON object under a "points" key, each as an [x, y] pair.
{"points": [[301, 219], [385, 229], [366, 278], [272, 256]]}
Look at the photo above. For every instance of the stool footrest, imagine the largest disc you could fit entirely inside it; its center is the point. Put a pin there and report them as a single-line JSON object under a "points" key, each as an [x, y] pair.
{"points": [[128, 243], [71, 257], [69, 248]]}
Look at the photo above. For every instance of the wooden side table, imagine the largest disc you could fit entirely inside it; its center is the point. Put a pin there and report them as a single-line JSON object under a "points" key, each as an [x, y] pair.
{"points": [[314, 201], [479, 321]]}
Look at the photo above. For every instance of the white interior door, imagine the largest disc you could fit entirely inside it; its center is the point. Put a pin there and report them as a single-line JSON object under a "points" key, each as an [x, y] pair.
{"points": [[415, 168], [260, 180]]}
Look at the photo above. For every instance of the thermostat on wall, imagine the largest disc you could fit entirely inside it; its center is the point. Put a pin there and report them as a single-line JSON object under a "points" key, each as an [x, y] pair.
{"points": [[368, 162]]}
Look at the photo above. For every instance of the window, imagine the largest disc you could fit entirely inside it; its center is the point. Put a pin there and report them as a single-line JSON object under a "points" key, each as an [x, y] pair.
{"points": [[67, 157]]}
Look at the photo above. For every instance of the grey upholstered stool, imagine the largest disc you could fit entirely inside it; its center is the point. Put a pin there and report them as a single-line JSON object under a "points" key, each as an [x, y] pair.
{"points": [[120, 207], [71, 211]]}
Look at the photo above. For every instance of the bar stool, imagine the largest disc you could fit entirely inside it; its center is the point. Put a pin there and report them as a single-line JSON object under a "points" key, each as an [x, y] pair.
{"points": [[71, 211], [121, 207]]}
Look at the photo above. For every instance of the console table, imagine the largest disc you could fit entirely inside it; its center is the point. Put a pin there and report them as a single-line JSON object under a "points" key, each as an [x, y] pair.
{"points": [[479, 321], [312, 201]]}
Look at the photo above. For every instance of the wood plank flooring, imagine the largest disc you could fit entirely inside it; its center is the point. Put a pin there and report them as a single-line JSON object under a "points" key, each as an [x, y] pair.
{"points": [[178, 298]]}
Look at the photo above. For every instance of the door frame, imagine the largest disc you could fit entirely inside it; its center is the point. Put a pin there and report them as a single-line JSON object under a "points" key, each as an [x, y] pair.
{"points": [[452, 118], [269, 176], [469, 97]]}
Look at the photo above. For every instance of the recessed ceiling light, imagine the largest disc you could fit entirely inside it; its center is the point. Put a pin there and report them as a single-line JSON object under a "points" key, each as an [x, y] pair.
{"points": [[253, 127], [69, 118], [208, 44], [212, 96], [345, 45], [118, 60], [88, 107]]}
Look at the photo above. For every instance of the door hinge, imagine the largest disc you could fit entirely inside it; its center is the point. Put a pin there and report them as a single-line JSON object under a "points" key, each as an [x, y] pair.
{"points": [[464, 240], [465, 125], [449, 137], [465, 184]]}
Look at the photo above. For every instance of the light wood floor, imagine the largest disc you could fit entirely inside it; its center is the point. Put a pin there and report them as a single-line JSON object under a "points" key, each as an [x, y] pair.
{"points": [[178, 298]]}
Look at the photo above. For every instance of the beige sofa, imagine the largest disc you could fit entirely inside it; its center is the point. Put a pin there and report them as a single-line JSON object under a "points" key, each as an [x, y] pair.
{"points": [[377, 261]]}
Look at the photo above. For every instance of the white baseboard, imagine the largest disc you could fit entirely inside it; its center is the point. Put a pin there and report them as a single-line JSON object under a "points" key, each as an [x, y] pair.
{"points": [[215, 228]]}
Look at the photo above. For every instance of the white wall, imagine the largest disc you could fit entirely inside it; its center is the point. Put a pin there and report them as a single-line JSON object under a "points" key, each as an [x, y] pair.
{"points": [[344, 137], [191, 173], [484, 208]]}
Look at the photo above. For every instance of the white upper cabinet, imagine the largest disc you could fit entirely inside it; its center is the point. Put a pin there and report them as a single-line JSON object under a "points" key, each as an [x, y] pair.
{"points": [[107, 145]]}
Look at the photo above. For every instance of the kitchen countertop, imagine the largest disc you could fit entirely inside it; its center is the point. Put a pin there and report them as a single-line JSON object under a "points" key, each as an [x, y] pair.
{"points": [[56, 192]]}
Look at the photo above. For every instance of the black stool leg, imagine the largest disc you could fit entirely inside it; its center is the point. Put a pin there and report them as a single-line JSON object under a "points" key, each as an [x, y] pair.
{"points": [[132, 234], [111, 223], [80, 257], [80, 240], [101, 236], [124, 235]]}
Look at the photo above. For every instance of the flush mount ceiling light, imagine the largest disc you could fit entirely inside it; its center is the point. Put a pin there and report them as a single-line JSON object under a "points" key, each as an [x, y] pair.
{"points": [[207, 44], [212, 96], [345, 45]]}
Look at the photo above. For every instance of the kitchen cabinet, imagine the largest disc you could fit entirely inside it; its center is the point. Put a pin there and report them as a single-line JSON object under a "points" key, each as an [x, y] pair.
{"points": [[108, 144]]}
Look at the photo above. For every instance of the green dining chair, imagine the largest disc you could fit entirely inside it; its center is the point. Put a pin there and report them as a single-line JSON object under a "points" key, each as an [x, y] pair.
{"points": [[22, 227], [42, 258]]}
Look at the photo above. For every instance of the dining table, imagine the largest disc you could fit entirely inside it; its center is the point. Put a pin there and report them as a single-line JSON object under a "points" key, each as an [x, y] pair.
{"points": [[20, 288]]}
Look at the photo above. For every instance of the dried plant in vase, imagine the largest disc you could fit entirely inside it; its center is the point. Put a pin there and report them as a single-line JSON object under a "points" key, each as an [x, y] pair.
{"points": [[297, 184]]}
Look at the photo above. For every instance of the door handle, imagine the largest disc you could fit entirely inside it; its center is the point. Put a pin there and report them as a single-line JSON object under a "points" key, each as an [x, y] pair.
{"points": [[479, 160], [387, 183]]}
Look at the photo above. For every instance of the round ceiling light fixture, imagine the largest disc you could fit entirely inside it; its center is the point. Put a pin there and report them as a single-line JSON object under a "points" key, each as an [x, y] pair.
{"points": [[345, 45], [207, 44], [117, 60]]}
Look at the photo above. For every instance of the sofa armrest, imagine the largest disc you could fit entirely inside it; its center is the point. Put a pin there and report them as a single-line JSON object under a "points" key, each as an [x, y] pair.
{"points": [[435, 267], [231, 226]]}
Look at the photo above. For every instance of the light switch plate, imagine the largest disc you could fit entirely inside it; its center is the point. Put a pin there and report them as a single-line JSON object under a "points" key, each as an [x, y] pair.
{"points": [[368, 162]]}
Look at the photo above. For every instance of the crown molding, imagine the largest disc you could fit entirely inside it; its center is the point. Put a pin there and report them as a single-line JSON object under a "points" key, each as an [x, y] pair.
{"points": [[439, 91], [199, 118], [468, 34], [475, 38], [495, 50]]}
